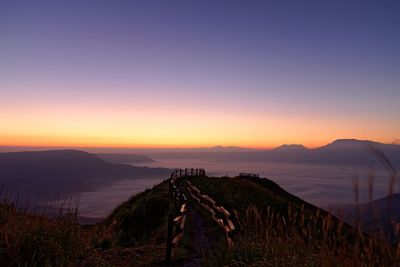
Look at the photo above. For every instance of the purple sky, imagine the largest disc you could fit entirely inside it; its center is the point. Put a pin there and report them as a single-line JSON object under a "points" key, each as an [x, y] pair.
{"points": [[295, 71]]}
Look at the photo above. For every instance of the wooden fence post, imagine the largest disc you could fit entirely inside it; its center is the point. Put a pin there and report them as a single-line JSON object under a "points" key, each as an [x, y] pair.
{"points": [[170, 190], [169, 239]]}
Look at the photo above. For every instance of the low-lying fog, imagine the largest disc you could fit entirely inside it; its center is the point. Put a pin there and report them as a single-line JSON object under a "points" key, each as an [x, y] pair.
{"points": [[318, 184]]}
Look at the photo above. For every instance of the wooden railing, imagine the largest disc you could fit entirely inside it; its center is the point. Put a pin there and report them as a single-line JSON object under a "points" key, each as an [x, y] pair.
{"points": [[187, 172], [249, 175], [177, 218], [218, 213]]}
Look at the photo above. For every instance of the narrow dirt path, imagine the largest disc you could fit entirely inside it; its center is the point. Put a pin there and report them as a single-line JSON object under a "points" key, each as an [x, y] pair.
{"points": [[200, 240]]}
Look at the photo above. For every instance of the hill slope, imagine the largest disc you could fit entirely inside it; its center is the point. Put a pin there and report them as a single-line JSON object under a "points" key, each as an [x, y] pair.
{"points": [[124, 158], [58, 173], [264, 210], [375, 216], [274, 228]]}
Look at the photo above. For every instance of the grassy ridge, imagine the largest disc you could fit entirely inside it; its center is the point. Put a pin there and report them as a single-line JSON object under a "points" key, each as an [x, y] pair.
{"points": [[133, 235], [279, 229], [276, 229], [141, 217], [28, 240]]}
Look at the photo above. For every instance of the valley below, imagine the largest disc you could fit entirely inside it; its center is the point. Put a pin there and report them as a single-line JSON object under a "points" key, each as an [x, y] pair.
{"points": [[325, 186], [102, 181]]}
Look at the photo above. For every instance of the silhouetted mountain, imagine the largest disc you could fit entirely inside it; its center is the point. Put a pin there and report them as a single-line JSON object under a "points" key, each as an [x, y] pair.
{"points": [[345, 144], [339, 152], [355, 152], [63, 172], [124, 158], [284, 153], [375, 216], [228, 148], [291, 147]]}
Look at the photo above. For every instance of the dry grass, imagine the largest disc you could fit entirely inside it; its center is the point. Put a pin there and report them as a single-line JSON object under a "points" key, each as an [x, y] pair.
{"points": [[297, 239], [29, 240]]}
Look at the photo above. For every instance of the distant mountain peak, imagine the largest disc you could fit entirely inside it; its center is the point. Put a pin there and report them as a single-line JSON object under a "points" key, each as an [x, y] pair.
{"points": [[220, 148], [357, 144], [291, 147], [349, 140], [227, 147], [349, 144]]}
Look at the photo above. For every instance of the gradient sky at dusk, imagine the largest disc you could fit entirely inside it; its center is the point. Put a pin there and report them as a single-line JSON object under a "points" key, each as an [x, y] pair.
{"points": [[198, 73]]}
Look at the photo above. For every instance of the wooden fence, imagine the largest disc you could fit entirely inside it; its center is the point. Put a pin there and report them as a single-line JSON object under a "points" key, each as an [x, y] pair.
{"points": [[177, 218], [187, 172], [218, 213], [249, 175]]}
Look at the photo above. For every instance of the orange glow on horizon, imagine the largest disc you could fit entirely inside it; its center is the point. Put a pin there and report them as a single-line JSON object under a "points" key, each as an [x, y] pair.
{"points": [[50, 142], [159, 125]]}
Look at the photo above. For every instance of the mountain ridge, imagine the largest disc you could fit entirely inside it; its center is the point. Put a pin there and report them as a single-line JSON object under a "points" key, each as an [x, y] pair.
{"points": [[58, 173], [339, 152], [286, 147]]}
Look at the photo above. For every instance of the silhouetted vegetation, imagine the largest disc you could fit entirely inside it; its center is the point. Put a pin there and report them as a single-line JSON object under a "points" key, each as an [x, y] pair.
{"points": [[31, 240], [279, 229]]}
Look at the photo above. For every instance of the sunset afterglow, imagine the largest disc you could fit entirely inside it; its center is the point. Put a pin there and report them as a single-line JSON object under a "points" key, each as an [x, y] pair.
{"points": [[140, 77]]}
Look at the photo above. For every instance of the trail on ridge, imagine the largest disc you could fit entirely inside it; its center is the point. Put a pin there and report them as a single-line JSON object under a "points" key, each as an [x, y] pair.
{"points": [[201, 242]]}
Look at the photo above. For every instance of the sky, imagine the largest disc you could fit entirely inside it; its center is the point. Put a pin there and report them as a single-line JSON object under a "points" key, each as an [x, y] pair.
{"points": [[198, 73]]}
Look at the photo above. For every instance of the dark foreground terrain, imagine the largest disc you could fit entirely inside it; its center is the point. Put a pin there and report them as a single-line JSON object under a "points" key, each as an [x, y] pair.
{"points": [[271, 228]]}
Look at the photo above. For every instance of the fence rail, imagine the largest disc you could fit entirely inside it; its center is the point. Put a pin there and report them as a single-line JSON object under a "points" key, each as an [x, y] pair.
{"points": [[177, 219], [218, 213], [187, 172], [249, 175]]}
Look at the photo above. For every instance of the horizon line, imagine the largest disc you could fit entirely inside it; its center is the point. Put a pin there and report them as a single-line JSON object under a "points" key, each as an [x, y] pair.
{"points": [[172, 147]]}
